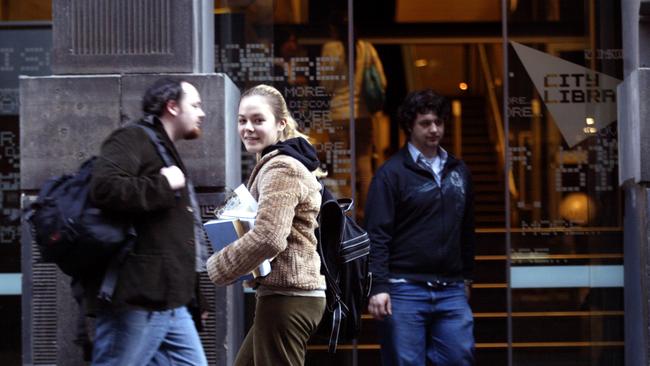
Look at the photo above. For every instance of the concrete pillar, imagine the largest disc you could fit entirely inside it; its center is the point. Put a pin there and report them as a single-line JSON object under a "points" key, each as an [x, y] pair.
{"points": [[634, 176], [105, 53]]}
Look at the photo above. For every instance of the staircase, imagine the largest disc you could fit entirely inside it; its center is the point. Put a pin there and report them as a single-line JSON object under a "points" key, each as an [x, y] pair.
{"points": [[480, 155]]}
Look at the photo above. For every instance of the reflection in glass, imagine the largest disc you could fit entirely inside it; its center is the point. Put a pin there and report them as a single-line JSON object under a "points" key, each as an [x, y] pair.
{"points": [[566, 236]]}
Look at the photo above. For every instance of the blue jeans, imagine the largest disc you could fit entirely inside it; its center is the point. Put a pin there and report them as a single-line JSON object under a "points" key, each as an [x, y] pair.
{"points": [[141, 337], [433, 323]]}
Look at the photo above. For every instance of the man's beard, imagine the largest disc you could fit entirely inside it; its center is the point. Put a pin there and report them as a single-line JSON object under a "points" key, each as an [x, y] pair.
{"points": [[193, 134]]}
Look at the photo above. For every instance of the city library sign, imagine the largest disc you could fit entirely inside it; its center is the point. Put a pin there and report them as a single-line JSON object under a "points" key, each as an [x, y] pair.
{"points": [[576, 88]]}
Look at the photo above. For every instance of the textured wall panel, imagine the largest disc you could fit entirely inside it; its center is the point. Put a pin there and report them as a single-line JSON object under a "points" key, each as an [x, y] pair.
{"points": [[63, 121], [125, 36], [121, 27], [44, 317]]}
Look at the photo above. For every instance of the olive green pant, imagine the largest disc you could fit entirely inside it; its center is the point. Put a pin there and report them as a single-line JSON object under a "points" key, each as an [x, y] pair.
{"points": [[280, 331]]}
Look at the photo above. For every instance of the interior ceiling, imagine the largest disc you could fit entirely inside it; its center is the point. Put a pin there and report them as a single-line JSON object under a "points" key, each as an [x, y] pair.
{"points": [[416, 11]]}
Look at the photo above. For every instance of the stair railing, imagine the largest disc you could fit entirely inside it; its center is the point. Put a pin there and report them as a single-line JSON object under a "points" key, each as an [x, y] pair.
{"points": [[456, 112], [497, 120]]}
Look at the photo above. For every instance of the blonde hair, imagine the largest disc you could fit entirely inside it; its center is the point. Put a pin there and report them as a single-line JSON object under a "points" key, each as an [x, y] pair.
{"points": [[280, 112]]}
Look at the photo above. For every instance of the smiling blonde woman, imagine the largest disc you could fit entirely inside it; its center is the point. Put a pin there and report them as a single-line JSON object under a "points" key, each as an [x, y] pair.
{"points": [[291, 299]]}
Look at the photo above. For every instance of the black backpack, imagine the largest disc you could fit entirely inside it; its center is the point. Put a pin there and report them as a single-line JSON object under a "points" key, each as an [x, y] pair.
{"points": [[69, 231], [81, 239], [343, 247]]}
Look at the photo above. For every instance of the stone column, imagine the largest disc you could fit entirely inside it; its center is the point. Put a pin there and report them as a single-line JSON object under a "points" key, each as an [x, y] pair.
{"points": [[105, 53], [634, 176]]}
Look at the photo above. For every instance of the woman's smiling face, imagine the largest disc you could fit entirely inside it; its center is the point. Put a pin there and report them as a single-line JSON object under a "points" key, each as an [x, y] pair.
{"points": [[257, 125]]}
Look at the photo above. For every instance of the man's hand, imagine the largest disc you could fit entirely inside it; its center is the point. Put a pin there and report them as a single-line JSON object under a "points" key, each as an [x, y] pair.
{"points": [[379, 306], [468, 288], [174, 176]]}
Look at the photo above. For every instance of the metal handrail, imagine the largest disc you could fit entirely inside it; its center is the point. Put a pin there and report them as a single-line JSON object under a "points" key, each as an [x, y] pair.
{"points": [[456, 112], [496, 116]]}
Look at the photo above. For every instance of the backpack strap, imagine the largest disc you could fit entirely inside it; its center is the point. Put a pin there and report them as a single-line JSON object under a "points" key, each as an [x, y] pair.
{"points": [[338, 308], [202, 251], [337, 318], [160, 148], [110, 276], [162, 151], [329, 277]]}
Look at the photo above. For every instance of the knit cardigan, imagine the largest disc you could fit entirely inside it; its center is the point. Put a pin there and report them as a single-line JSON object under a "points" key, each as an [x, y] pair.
{"points": [[289, 201]]}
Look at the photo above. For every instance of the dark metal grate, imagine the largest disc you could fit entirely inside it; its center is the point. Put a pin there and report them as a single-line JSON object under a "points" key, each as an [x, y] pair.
{"points": [[121, 27], [44, 305], [209, 335]]}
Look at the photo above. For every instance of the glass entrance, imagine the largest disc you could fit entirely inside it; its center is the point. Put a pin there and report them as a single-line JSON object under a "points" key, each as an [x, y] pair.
{"points": [[533, 85], [566, 235]]}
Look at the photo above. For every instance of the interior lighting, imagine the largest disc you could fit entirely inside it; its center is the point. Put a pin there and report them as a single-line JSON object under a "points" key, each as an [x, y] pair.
{"points": [[420, 62], [536, 107], [463, 86], [456, 108]]}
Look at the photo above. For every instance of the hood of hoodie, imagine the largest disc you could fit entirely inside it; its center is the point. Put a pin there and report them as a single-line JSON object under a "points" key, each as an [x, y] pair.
{"points": [[299, 149]]}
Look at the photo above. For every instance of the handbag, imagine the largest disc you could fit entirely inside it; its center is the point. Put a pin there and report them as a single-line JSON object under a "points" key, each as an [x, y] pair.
{"points": [[373, 90]]}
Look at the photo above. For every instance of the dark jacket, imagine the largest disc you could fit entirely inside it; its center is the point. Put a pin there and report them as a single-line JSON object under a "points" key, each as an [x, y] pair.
{"points": [[160, 271], [419, 230]]}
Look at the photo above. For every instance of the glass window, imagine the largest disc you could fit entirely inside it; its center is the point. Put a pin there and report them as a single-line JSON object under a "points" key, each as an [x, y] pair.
{"points": [[544, 163], [566, 236], [535, 121]]}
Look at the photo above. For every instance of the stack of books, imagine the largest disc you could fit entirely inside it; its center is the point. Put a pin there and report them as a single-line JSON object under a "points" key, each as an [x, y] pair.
{"points": [[234, 218]]}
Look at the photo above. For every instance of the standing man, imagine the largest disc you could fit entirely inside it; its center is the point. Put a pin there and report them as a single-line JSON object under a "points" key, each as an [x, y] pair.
{"points": [[420, 220], [147, 321]]}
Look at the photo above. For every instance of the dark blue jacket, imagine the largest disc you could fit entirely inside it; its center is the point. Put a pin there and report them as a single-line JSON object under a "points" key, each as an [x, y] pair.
{"points": [[419, 230]]}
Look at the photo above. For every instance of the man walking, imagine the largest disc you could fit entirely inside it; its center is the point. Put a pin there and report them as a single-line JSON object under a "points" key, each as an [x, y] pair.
{"points": [[419, 216], [147, 322]]}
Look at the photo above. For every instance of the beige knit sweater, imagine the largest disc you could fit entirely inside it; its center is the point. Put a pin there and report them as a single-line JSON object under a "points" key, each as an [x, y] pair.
{"points": [[289, 200]]}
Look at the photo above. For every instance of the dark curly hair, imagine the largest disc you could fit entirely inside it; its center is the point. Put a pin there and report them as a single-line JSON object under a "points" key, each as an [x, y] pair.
{"points": [[422, 102], [159, 93]]}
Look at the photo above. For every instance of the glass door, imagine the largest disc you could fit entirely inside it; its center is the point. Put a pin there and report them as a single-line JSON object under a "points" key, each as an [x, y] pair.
{"points": [[533, 85], [565, 233]]}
